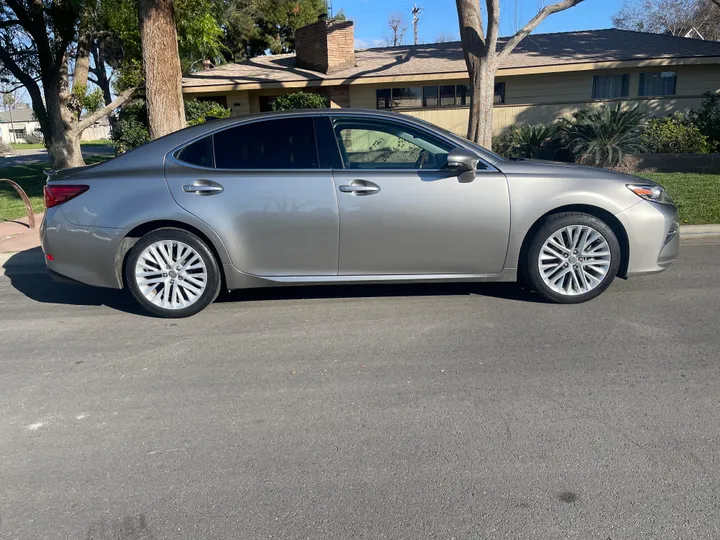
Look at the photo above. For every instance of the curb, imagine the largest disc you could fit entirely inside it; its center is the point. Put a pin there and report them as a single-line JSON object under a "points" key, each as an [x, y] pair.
{"points": [[33, 261]]}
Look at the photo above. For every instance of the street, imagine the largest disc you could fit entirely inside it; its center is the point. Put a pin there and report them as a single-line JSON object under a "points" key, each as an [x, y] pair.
{"points": [[398, 412]]}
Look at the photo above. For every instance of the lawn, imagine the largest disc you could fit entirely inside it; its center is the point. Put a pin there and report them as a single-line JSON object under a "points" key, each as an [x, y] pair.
{"points": [[32, 180], [696, 195], [41, 146]]}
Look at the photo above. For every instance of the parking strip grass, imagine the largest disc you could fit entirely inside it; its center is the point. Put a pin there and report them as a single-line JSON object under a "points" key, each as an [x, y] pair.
{"points": [[696, 195]]}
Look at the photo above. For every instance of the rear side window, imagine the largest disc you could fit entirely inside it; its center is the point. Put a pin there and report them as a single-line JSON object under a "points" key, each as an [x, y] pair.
{"points": [[286, 143], [198, 153]]}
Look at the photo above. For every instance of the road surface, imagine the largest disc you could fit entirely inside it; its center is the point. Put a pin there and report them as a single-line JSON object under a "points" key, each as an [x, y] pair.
{"points": [[467, 412]]}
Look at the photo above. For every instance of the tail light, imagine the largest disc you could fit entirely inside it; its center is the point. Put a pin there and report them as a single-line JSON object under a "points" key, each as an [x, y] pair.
{"points": [[59, 193]]}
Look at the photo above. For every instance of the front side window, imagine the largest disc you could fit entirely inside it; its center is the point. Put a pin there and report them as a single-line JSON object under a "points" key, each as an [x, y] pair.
{"points": [[287, 143], [657, 83], [374, 144], [610, 86]]}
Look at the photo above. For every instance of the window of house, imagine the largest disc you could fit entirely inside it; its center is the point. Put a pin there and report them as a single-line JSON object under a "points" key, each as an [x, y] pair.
{"points": [[407, 98], [610, 86], [431, 96], [660, 83], [447, 96], [287, 143], [20, 132], [379, 144]]}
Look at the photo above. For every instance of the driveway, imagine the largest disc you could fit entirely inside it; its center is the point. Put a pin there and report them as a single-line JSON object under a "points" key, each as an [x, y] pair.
{"points": [[364, 412], [29, 157]]}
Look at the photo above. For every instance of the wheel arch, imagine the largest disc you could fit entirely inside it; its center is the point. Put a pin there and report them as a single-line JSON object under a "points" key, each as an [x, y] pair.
{"points": [[141, 230], [600, 213]]}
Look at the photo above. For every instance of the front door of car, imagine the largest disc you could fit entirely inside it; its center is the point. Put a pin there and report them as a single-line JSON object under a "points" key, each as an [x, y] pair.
{"points": [[259, 185], [403, 211]]}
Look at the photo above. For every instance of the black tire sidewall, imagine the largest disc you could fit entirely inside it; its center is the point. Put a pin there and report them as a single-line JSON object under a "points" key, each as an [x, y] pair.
{"points": [[179, 235], [554, 223]]}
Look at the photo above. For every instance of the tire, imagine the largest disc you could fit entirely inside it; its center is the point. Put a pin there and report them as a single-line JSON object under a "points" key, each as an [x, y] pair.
{"points": [[568, 275], [187, 285]]}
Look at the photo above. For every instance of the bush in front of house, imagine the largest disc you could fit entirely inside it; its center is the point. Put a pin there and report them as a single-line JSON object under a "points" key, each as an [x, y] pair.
{"points": [[299, 100], [603, 135], [529, 141], [707, 119], [675, 134], [5, 148], [197, 111], [129, 128], [35, 137]]}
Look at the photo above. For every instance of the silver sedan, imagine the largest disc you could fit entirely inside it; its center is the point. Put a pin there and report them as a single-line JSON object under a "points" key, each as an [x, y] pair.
{"points": [[345, 196]]}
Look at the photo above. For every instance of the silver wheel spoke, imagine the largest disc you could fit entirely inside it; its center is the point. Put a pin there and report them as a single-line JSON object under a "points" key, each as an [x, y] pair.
{"points": [[161, 273], [574, 260]]}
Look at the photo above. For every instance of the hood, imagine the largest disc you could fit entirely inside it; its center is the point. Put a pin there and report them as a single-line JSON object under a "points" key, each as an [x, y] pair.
{"points": [[536, 167]]}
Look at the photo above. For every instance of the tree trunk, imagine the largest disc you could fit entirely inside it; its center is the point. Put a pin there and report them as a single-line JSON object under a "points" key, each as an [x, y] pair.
{"points": [[482, 102], [99, 70], [161, 62], [65, 151]]}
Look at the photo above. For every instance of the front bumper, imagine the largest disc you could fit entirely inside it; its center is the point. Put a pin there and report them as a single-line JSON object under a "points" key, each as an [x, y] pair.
{"points": [[80, 253], [653, 237]]}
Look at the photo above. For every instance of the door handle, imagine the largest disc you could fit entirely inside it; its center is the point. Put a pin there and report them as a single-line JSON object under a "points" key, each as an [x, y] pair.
{"points": [[364, 188], [203, 187]]}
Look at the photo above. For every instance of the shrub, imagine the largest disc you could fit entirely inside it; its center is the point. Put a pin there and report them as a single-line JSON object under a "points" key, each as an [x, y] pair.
{"points": [[197, 111], [707, 118], [5, 148], [129, 129], [674, 135], [603, 135], [36, 137], [299, 100], [530, 141]]}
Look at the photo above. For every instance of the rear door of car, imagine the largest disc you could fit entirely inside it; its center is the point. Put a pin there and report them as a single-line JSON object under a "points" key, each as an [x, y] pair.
{"points": [[260, 186]]}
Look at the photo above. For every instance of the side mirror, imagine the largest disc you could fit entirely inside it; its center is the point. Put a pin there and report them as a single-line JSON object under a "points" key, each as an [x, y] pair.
{"points": [[463, 162]]}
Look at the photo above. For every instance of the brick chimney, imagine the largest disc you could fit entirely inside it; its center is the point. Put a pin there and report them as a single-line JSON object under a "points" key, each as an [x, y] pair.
{"points": [[326, 46]]}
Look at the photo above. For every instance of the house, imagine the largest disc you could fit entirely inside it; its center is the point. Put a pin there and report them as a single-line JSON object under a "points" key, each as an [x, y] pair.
{"points": [[547, 76], [17, 123]]}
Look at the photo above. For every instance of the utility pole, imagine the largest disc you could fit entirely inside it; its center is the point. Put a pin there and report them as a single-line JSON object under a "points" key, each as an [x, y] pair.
{"points": [[416, 18]]}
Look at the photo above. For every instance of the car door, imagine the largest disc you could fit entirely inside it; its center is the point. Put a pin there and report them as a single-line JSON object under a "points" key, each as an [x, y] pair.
{"points": [[259, 185], [402, 211]]}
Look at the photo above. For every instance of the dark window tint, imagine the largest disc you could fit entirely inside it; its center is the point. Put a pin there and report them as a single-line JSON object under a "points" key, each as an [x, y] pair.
{"points": [[287, 143], [198, 153], [657, 84], [610, 86]]}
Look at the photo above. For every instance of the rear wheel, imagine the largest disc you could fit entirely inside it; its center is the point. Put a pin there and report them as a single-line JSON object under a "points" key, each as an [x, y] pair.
{"points": [[572, 258], [172, 273]]}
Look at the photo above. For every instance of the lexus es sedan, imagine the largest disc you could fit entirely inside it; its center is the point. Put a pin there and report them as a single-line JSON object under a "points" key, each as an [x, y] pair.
{"points": [[345, 196]]}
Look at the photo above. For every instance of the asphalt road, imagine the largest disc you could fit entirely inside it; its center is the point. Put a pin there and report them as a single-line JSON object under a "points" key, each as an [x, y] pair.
{"points": [[467, 412]]}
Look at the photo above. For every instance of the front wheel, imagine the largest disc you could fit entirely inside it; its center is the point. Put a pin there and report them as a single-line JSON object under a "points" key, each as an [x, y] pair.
{"points": [[572, 258], [172, 273]]}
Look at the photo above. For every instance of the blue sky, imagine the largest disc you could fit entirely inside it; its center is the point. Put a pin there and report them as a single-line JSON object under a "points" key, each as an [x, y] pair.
{"points": [[440, 16]]}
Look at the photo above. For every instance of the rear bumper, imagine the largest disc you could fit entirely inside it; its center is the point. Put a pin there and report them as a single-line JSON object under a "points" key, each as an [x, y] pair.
{"points": [[80, 253], [653, 237]]}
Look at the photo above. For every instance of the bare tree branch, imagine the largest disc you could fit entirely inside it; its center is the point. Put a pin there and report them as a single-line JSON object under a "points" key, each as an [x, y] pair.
{"points": [[534, 22], [86, 122], [716, 2]]}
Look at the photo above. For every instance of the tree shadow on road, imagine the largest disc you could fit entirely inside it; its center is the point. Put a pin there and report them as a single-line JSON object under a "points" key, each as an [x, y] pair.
{"points": [[27, 274]]}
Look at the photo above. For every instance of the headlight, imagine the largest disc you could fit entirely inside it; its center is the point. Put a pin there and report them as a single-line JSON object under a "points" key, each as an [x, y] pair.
{"points": [[651, 192]]}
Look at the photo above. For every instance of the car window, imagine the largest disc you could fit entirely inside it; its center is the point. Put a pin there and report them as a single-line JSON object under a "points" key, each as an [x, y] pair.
{"points": [[376, 144], [284, 143], [198, 153]]}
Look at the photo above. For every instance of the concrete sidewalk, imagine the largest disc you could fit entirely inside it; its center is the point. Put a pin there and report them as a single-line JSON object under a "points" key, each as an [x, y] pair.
{"points": [[16, 235]]}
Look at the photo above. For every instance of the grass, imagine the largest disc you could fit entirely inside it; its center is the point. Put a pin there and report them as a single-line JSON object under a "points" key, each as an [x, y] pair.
{"points": [[697, 196], [32, 180], [41, 146]]}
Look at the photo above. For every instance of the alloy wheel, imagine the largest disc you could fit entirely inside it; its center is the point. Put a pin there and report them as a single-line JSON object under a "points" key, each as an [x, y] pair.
{"points": [[171, 274], [574, 260]]}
